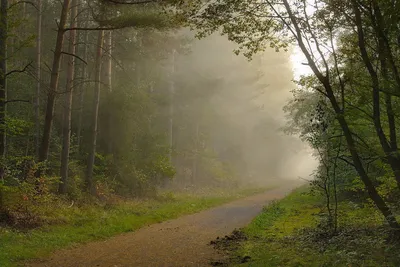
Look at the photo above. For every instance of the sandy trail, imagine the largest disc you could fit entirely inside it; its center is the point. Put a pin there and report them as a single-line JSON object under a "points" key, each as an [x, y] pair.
{"points": [[180, 242]]}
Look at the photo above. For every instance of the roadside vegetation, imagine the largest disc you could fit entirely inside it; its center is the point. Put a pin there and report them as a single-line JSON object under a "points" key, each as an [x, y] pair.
{"points": [[293, 232], [59, 224]]}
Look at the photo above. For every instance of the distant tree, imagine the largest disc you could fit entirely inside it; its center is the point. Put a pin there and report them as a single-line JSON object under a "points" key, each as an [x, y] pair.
{"points": [[69, 88], [95, 114], [54, 79]]}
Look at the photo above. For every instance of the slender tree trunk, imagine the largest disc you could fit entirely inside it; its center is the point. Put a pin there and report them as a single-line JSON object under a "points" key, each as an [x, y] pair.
{"points": [[3, 92], [335, 185], [51, 95], [108, 65], [96, 101], [38, 74], [69, 87], [195, 155], [392, 122], [171, 105], [108, 83], [82, 89], [171, 93], [3, 72], [381, 32]]}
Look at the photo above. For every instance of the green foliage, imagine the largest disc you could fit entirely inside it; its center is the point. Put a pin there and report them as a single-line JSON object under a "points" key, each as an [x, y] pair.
{"points": [[287, 233]]}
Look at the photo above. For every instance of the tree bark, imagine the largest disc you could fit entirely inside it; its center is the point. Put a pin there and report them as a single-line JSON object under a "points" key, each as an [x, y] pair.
{"points": [[38, 74], [108, 83], [195, 154], [51, 95], [171, 106], [95, 113], [69, 87], [3, 72], [82, 89]]}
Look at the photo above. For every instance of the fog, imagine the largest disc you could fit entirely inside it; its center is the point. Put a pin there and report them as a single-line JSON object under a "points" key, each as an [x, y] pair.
{"points": [[251, 96]]}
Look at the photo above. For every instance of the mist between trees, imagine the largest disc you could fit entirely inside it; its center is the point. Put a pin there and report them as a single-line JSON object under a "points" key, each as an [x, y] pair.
{"points": [[108, 99]]}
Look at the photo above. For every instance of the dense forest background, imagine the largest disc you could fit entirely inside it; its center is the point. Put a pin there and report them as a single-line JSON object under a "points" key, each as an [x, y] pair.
{"points": [[105, 99]]}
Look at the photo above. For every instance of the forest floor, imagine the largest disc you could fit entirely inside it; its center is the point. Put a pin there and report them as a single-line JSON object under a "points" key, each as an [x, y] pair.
{"points": [[291, 233], [180, 242]]}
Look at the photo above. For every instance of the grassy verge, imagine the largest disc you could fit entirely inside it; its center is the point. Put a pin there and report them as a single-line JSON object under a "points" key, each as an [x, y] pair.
{"points": [[84, 223], [288, 233]]}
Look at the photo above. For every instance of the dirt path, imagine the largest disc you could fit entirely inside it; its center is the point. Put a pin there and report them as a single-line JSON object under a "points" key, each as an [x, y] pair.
{"points": [[180, 242]]}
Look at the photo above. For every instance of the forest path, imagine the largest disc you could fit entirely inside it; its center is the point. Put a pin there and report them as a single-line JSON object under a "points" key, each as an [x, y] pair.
{"points": [[179, 242]]}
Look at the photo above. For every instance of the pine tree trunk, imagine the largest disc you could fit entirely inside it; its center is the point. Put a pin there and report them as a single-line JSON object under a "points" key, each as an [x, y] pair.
{"points": [[171, 106], [108, 83], [38, 74], [82, 89], [69, 87], [96, 101], [3, 72], [52, 91], [195, 155]]}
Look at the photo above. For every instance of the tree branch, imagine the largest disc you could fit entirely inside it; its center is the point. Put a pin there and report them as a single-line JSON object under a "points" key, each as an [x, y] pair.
{"points": [[17, 100], [73, 55], [345, 160], [118, 2], [20, 71], [23, 2]]}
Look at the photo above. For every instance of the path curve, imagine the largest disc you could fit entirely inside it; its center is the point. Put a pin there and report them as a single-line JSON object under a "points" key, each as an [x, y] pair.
{"points": [[176, 243]]}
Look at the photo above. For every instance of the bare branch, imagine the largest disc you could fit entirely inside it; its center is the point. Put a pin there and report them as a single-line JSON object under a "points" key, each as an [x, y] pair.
{"points": [[133, 2], [23, 2], [347, 161], [17, 100], [20, 71], [94, 29], [73, 55]]}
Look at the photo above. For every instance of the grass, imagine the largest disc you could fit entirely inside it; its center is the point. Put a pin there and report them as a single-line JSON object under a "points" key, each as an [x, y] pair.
{"points": [[87, 223], [288, 233]]}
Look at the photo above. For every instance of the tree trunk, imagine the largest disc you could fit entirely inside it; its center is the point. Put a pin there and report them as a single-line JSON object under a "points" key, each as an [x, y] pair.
{"points": [[171, 106], [38, 74], [69, 87], [3, 78], [108, 83], [3, 92], [195, 154], [82, 89], [96, 101], [51, 95], [108, 65]]}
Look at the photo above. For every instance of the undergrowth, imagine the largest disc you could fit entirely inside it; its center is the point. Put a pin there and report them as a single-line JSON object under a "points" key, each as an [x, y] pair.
{"points": [[289, 233]]}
